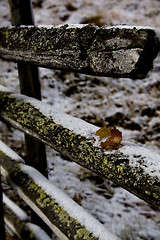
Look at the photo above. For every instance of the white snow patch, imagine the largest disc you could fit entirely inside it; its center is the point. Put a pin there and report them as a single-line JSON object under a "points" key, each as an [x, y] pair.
{"points": [[62, 25], [38, 232], [72, 208], [9, 152], [156, 30], [77, 25], [78, 126], [4, 89], [150, 160], [17, 210], [52, 26]]}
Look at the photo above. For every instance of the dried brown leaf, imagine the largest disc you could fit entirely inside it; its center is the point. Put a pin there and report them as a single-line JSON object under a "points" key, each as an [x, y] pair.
{"points": [[113, 142]]}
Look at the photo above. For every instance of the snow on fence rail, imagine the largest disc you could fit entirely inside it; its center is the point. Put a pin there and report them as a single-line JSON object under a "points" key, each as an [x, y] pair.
{"points": [[19, 222], [118, 51], [132, 167], [64, 216]]}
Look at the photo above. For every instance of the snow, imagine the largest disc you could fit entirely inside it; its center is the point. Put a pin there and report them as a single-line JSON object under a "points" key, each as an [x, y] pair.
{"points": [[61, 25], [114, 207], [156, 30], [17, 210], [38, 232], [4, 89], [74, 124], [9, 152], [69, 205], [151, 160]]}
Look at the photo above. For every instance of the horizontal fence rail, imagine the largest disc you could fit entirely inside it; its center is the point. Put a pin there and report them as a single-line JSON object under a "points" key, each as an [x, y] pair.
{"points": [[18, 221], [132, 167], [118, 51], [64, 216]]}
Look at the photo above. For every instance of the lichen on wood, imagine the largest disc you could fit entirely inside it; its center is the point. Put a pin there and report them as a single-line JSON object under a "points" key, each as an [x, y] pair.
{"points": [[21, 226], [115, 51], [47, 205], [115, 165]]}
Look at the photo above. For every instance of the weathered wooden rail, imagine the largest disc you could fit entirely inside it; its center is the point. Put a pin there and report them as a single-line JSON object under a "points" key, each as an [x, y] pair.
{"points": [[119, 51], [134, 168], [65, 217], [111, 51], [19, 222]]}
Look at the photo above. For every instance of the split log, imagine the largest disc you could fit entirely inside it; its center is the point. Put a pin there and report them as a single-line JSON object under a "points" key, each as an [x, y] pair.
{"points": [[134, 168], [18, 221], [109, 51], [64, 216]]}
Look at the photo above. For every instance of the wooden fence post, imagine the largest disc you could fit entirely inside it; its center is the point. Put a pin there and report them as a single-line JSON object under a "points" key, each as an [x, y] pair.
{"points": [[21, 14], [2, 226]]}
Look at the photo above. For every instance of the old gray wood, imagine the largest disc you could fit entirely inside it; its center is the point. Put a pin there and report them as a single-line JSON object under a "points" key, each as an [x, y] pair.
{"points": [[47, 205], [29, 80], [20, 223], [129, 169], [108, 51]]}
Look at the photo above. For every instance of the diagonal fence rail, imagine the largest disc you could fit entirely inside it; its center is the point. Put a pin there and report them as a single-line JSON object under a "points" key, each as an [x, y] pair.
{"points": [[64, 216], [19, 222], [132, 167]]}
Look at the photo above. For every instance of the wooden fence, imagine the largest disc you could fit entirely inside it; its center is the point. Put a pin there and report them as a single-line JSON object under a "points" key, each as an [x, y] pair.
{"points": [[112, 51], [115, 52]]}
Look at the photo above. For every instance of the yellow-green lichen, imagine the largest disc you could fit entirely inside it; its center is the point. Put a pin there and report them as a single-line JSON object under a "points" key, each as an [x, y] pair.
{"points": [[31, 235], [64, 217], [6, 33], [148, 192], [119, 171], [156, 195], [82, 233]]}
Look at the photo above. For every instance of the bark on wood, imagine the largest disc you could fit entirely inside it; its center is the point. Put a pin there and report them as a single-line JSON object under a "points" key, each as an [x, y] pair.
{"points": [[115, 165], [47, 206], [21, 226], [22, 14], [114, 52]]}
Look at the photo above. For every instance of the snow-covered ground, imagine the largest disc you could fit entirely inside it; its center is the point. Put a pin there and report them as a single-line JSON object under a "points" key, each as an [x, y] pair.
{"points": [[132, 105]]}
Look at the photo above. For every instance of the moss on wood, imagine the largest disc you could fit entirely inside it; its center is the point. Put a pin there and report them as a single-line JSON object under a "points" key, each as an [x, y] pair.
{"points": [[19, 226], [37, 198], [86, 48], [114, 165]]}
